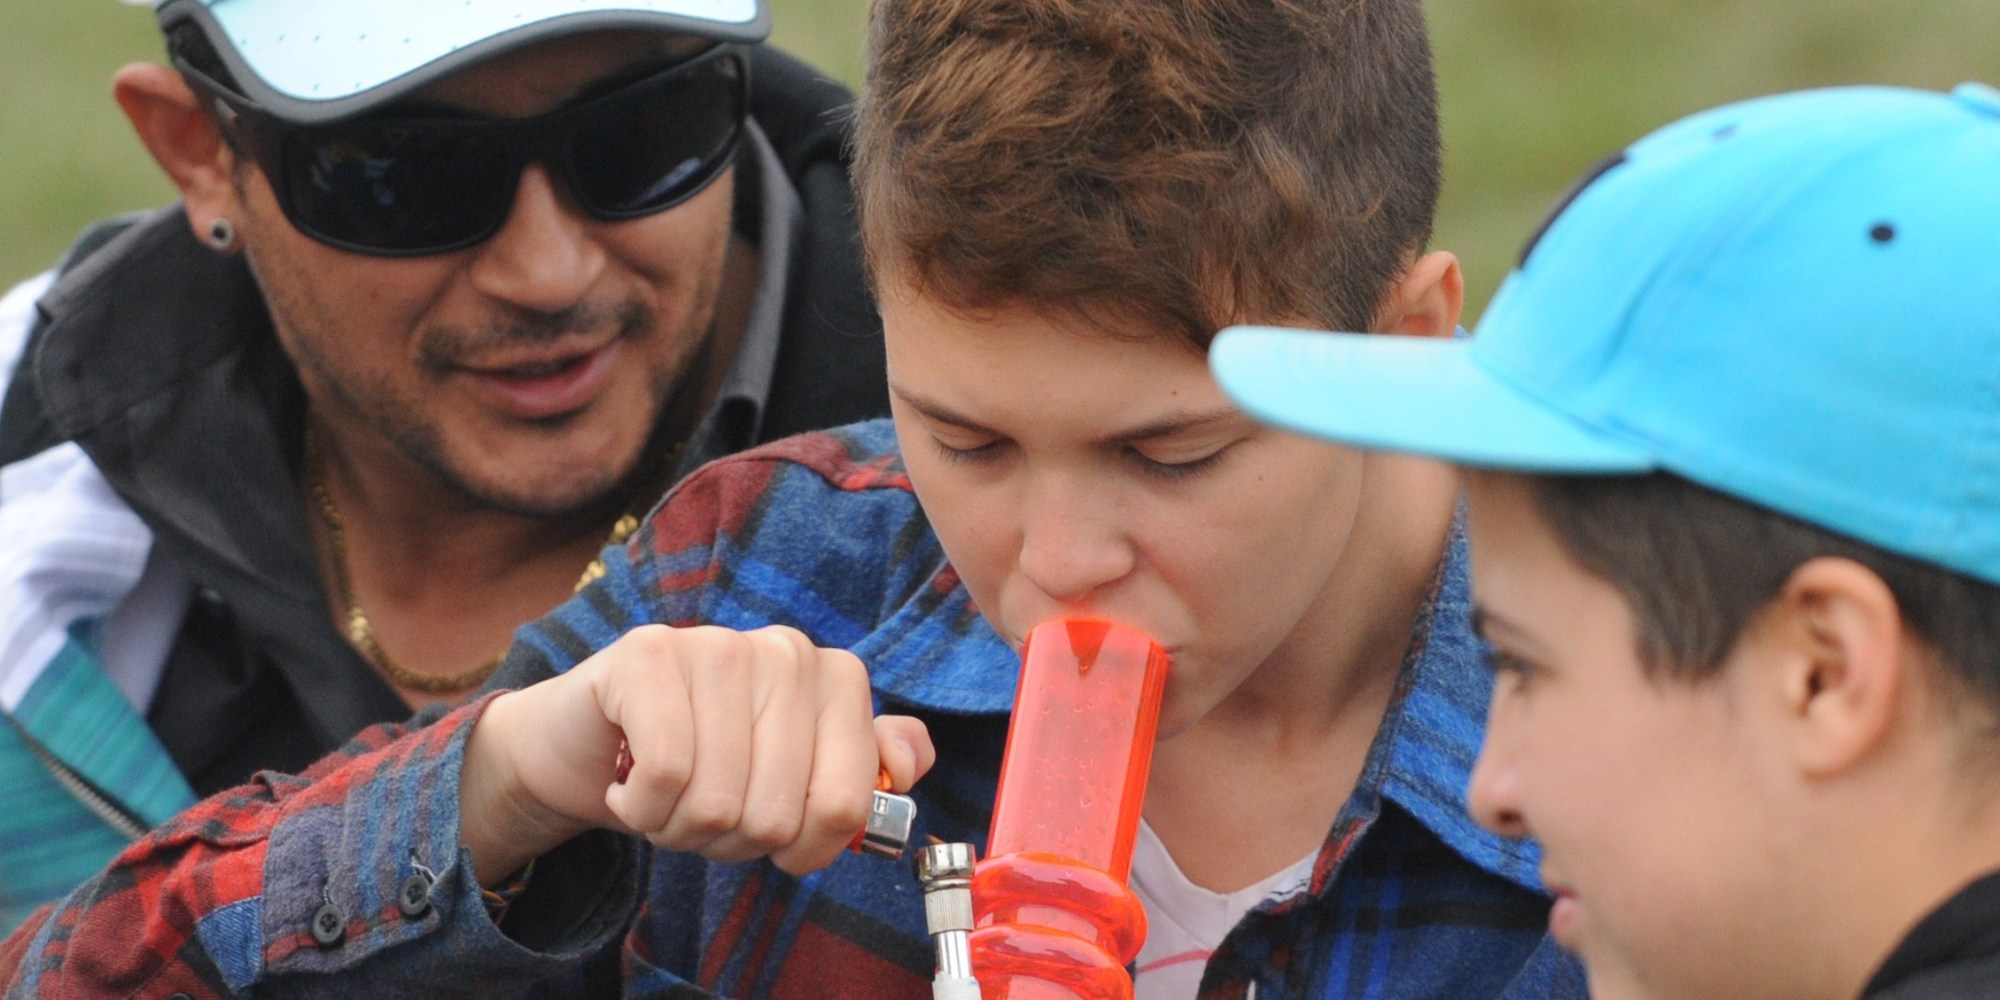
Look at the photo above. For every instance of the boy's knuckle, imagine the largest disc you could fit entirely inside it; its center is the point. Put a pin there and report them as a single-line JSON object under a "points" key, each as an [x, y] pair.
{"points": [[785, 643], [842, 811], [842, 668], [710, 813], [651, 641], [671, 773], [770, 825]]}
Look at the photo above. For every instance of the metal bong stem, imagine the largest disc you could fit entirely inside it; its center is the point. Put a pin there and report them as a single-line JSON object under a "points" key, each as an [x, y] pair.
{"points": [[945, 872]]}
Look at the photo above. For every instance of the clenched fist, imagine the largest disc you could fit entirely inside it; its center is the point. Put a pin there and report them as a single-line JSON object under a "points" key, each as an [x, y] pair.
{"points": [[744, 744]]}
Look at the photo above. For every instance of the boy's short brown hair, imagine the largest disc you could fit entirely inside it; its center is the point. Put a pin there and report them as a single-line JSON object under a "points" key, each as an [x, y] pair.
{"points": [[1181, 164], [1696, 565]]}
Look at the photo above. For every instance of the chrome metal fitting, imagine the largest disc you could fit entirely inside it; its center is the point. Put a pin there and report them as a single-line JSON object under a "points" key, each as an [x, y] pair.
{"points": [[945, 872]]}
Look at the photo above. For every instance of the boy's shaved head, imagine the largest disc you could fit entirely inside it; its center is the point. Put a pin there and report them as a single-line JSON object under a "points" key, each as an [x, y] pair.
{"points": [[1178, 163]]}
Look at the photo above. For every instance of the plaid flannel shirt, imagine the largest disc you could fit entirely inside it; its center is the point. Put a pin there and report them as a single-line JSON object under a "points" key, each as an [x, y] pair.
{"points": [[349, 881]]}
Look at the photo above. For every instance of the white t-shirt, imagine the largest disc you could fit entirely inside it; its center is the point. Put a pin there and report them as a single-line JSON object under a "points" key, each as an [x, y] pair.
{"points": [[1185, 922]]}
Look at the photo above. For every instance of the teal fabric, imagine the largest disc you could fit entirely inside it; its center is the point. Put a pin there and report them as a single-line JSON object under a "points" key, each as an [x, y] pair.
{"points": [[50, 842]]}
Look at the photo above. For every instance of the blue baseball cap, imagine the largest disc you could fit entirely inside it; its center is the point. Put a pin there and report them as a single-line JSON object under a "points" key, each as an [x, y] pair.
{"points": [[320, 60], [1794, 300]]}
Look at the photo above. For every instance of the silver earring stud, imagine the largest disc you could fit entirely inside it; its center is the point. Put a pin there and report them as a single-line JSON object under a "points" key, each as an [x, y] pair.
{"points": [[222, 234]]}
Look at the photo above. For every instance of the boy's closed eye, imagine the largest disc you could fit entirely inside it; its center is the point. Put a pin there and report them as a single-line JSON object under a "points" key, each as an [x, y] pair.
{"points": [[1177, 463], [952, 451], [1168, 463], [1172, 449]]}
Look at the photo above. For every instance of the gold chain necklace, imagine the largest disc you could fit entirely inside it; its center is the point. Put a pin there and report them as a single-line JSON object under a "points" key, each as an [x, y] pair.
{"points": [[361, 631]]}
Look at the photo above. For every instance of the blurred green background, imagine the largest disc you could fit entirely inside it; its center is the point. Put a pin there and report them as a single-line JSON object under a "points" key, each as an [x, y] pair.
{"points": [[1534, 91]]}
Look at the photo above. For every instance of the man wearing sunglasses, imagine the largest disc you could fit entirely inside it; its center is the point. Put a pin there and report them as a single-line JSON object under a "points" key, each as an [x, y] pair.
{"points": [[452, 291]]}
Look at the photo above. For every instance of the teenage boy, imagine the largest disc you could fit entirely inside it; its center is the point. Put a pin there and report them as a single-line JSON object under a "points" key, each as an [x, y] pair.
{"points": [[1061, 200], [1734, 432]]}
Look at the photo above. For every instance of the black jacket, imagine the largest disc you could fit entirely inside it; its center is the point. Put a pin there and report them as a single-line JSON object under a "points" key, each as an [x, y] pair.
{"points": [[1952, 954], [158, 358]]}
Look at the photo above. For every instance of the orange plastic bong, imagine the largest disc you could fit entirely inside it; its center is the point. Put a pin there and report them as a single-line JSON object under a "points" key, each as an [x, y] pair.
{"points": [[1052, 915]]}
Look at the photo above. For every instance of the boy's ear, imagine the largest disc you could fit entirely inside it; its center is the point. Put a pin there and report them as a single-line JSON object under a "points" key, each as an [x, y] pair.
{"points": [[183, 138], [1427, 300], [1840, 644]]}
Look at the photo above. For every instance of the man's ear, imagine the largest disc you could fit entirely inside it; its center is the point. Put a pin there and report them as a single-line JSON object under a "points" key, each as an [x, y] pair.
{"points": [[183, 138], [1841, 650], [1427, 300]]}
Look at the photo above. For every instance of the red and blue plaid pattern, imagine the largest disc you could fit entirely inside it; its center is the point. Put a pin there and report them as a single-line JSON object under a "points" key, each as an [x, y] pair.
{"points": [[1409, 898]]}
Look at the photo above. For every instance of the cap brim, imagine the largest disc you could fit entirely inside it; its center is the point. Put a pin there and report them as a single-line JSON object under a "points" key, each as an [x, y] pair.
{"points": [[322, 61], [1410, 394]]}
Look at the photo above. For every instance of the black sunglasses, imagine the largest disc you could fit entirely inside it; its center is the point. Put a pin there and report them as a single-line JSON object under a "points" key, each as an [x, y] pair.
{"points": [[401, 186]]}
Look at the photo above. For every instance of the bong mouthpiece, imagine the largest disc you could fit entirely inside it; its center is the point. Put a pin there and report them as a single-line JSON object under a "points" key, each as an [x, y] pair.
{"points": [[1055, 916], [1080, 744]]}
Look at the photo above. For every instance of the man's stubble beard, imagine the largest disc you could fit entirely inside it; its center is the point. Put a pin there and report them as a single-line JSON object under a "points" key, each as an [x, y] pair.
{"points": [[602, 498], [674, 415]]}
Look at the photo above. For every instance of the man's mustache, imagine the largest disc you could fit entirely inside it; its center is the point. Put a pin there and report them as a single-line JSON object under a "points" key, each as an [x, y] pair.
{"points": [[446, 345]]}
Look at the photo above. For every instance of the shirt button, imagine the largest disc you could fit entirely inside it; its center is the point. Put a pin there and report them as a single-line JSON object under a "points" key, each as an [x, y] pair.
{"points": [[329, 925], [414, 899]]}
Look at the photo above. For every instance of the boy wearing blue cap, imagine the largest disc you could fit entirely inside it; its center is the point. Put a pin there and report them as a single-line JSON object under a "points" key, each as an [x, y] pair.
{"points": [[1733, 428]]}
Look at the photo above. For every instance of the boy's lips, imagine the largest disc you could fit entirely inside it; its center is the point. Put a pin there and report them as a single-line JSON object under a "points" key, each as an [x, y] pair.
{"points": [[1018, 642], [1562, 914], [541, 388]]}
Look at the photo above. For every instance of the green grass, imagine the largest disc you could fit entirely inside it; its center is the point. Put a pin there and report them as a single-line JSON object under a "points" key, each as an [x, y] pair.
{"points": [[1534, 90], [66, 153]]}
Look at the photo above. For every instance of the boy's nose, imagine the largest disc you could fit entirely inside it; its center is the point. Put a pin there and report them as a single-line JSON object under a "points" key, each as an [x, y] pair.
{"points": [[1071, 544], [1491, 795]]}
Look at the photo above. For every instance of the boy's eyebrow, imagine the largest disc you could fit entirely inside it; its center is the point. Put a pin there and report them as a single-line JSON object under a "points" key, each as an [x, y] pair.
{"points": [[935, 410], [1485, 621], [1175, 424], [1159, 429], [1172, 424]]}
